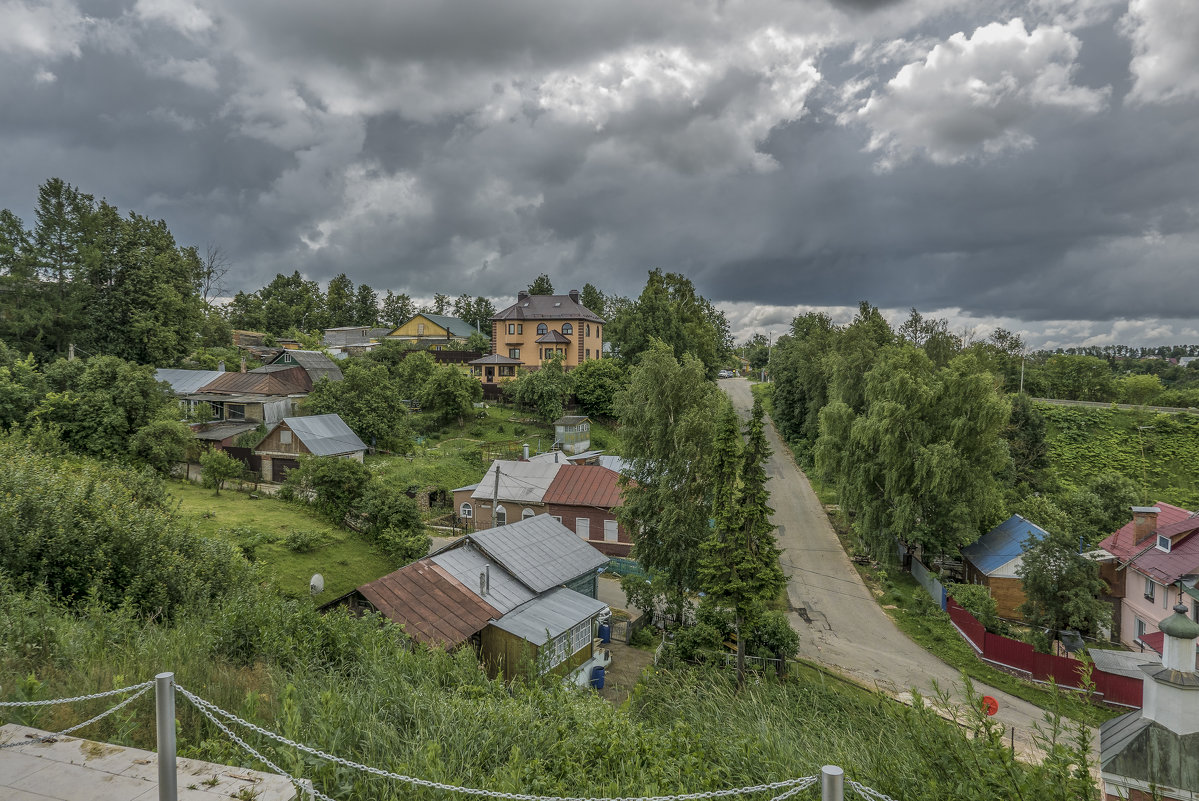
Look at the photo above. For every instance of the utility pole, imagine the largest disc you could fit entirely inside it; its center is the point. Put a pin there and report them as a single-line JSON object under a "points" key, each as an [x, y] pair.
{"points": [[71, 352]]}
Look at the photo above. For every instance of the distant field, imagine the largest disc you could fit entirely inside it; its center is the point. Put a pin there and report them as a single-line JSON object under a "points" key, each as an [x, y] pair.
{"points": [[344, 558], [1160, 452]]}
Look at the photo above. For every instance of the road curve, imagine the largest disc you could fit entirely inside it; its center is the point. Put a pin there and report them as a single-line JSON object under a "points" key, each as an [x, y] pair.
{"points": [[840, 624]]}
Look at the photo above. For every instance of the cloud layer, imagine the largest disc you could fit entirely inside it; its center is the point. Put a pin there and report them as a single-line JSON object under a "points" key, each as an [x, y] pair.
{"points": [[1036, 166]]}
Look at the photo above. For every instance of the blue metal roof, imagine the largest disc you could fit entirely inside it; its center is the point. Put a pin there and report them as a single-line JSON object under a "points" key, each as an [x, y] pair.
{"points": [[1002, 544]]}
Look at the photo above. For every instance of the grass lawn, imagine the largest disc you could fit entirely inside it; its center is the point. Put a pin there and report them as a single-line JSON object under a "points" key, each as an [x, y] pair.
{"points": [[343, 557]]}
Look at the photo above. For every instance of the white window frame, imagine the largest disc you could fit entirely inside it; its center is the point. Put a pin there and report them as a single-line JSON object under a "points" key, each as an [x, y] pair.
{"points": [[611, 531], [284, 437], [558, 518], [466, 511], [583, 527], [526, 514], [558, 650], [580, 636], [1150, 589], [501, 516], [1139, 627], [1163, 543]]}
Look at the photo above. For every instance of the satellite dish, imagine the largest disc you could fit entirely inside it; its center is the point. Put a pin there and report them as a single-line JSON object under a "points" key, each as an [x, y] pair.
{"points": [[316, 584]]}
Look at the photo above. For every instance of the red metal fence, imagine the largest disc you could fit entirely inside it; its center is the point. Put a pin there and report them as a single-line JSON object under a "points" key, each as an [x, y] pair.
{"points": [[1114, 688]]}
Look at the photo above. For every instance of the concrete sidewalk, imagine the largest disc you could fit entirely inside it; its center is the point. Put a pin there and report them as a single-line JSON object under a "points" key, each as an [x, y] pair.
{"points": [[70, 769]]}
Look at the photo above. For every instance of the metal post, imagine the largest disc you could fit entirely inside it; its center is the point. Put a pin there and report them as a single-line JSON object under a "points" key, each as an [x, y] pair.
{"points": [[832, 783], [164, 697]]}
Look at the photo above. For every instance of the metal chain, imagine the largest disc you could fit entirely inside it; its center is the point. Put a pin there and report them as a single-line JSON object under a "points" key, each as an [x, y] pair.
{"points": [[868, 793], [806, 781], [50, 737], [311, 790], [803, 785], [91, 697]]}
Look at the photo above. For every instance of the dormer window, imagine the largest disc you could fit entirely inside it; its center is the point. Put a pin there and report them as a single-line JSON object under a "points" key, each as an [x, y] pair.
{"points": [[1163, 543]]}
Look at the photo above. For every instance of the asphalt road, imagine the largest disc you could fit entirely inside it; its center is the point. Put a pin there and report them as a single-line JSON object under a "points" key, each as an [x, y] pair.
{"points": [[840, 624]]}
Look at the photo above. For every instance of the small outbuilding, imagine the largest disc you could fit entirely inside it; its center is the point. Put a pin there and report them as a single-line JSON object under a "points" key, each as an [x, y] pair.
{"points": [[572, 434], [318, 435], [993, 561]]}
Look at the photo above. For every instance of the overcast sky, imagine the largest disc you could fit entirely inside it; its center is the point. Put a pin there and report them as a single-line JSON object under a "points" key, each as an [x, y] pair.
{"points": [[1027, 164]]}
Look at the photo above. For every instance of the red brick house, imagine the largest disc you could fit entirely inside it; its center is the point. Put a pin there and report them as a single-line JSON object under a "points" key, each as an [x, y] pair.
{"points": [[583, 497]]}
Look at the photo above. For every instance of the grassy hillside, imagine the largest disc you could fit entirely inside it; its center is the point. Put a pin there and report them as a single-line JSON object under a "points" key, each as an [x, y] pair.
{"points": [[1160, 452]]}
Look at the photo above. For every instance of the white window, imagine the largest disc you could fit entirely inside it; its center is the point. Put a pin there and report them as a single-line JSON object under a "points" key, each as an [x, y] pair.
{"points": [[501, 516], [558, 518], [285, 437], [1163, 543], [1140, 626], [580, 636], [420, 329], [1150, 589], [583, 527], [610, 531], [467, 511], [526, 514], [559, 649]]}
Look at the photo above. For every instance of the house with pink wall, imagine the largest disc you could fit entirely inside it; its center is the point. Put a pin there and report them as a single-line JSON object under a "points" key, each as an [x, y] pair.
{"points": [[1153, 565]]}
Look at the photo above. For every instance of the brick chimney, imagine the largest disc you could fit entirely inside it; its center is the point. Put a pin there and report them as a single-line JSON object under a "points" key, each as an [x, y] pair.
{"points": [[1144, 522], [522, 296], [574, 295]]}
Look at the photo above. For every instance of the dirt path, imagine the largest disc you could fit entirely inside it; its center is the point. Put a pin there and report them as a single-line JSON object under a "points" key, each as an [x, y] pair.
{"points": [[839, 622]]}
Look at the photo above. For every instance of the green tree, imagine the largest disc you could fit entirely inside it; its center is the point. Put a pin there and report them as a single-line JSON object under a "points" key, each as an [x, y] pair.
{"points": [[478, 341], [667, 415], [1062, 587], [61, 213], [477, 311], [21, 389], [441, 304], [366, 306], [217, 467], [412, 372], [670, 310], [339, 302], [366, 398], [544, 391], [392, 521], [28, 310], [1079, 378], [757, 351], [799, 371], [450, 393], [596, 383], [335, 486], [592, 299], [932, 335], [739, 563], [1025, 435], [1139, 389], [161, 445], [853, 354], [397, 309], [541, 286]]}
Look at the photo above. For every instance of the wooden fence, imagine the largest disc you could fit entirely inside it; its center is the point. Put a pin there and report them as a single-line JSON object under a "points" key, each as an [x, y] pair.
{"points": [[1017, 655]]}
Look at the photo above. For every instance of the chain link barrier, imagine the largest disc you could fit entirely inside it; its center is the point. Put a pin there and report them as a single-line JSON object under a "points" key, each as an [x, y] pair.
{"points": [[145, 688], [790, 786], [92, 697], [867, 792]]}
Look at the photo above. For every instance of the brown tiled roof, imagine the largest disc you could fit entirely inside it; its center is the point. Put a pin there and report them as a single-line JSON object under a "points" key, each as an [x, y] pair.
{"points": [[548, 307], [292, 381], [434, 607], [585, 485]]}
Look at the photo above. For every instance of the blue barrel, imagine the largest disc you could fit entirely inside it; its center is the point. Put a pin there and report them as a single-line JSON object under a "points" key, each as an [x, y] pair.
{"points": [[605, 633], [597, 677]]}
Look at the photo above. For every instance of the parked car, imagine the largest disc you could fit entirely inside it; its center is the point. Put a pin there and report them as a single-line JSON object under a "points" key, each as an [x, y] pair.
{"points": [[726, 374]]}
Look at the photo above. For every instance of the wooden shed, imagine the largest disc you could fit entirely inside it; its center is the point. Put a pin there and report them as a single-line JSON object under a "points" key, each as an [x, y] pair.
{"points": [[993, 562], [318, 435]]}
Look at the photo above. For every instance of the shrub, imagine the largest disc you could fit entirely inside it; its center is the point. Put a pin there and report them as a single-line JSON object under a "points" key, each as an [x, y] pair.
{"points": [[217, 467], [642, 637], [976, 599], [304, 541]]}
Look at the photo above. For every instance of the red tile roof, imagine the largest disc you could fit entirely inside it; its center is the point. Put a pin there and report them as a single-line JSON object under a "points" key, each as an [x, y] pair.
{"points": [[292, 381], [1165, 567], [585, 485], [434, 607]]}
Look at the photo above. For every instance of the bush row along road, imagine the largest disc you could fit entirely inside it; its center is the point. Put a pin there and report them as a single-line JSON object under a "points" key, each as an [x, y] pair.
{"points": [[840, 624]]}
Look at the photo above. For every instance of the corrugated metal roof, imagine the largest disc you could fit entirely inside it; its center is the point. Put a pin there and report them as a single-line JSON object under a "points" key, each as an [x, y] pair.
{"points": [[315, 363], [1116, 734], [324, 434], [465, 563], [1122, 663], [548, 307], [585, 485], [457, 327], [220, 431], [434, 607], [613, 462], [1164, 566], [549, 615], [293, 381], [541, 552], [1002, 544], [184, 381], [520, 482]]}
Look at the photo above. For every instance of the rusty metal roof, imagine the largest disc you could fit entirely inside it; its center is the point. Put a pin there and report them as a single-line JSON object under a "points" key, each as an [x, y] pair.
{"points": [[293, 381], [585, 485], [434, 607]]}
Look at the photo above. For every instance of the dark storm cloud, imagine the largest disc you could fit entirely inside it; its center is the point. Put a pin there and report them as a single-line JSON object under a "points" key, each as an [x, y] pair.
{"points": [[782, 153]]}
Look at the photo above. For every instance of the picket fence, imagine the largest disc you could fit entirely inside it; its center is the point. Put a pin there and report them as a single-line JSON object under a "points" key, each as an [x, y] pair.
{"points": [[1009, 653]]}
